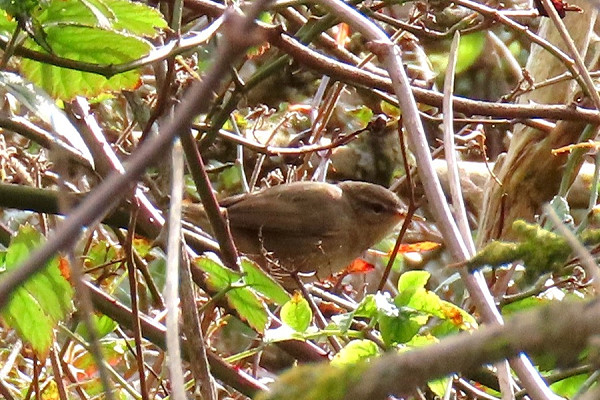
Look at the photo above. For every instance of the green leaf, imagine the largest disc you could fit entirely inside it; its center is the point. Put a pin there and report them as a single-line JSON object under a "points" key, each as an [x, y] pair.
{"points": [[364, 114], [218, 276], [396, 325], [142, 246], [43, 300], [120, 15], [367, 307], [470, 48], [103, 324], [355, 351], [100, 253], [250, 308], [400, 329], [385, 305], [570, 386], [263, 283], [523, 304], [414, 296], [19, 7], [389, 109], [243, 300], [137, 18], [103, 32], [296, 313], [86, 44], [439, 386], [230, 179], [26, 316], [265, 17], [412, 280]]}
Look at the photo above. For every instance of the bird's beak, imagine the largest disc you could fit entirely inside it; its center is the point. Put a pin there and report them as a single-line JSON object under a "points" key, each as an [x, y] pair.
{"points": [[403, 214]]}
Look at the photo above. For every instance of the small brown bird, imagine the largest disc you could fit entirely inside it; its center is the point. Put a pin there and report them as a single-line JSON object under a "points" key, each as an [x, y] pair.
{"points": [[312, 228]]}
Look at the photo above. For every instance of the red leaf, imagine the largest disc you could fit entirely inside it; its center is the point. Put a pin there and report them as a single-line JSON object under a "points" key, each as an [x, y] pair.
{"points": [[329, 309], [64, 268], [418, 247], [359, 266]]}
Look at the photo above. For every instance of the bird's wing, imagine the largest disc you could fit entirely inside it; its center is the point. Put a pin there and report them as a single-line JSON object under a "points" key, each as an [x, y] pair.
{"points": [[308, 211]]}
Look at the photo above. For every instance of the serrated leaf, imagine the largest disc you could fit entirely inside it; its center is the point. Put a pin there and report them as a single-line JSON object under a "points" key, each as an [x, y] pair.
{"points": [[119, 15], [248, 305], [218, 276], [86, 44], [297, 313], [104, 32], [43, 106], [42, 301], [34, 326], [136, 18], [263, 283], [250, 308], [414, 296], [355, 351]]}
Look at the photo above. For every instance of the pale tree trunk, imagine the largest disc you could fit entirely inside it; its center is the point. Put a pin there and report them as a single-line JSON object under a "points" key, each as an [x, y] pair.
{"points": [[529, 173]]}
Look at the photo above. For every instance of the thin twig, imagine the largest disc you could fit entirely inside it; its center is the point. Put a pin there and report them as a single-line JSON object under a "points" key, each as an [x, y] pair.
{"points": [[458, 202], [155, 333], [133, 290], [113, 188], [217, 220], [189, 42], [174, 363], [588, 85], [390, 57], [356, 77]]}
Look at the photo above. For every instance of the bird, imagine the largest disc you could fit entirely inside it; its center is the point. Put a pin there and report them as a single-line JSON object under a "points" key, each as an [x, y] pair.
{"points": [[314, 229]]}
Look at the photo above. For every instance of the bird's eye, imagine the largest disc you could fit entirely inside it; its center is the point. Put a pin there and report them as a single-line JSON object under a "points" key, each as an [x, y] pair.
{"points": [[377, 208]]}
